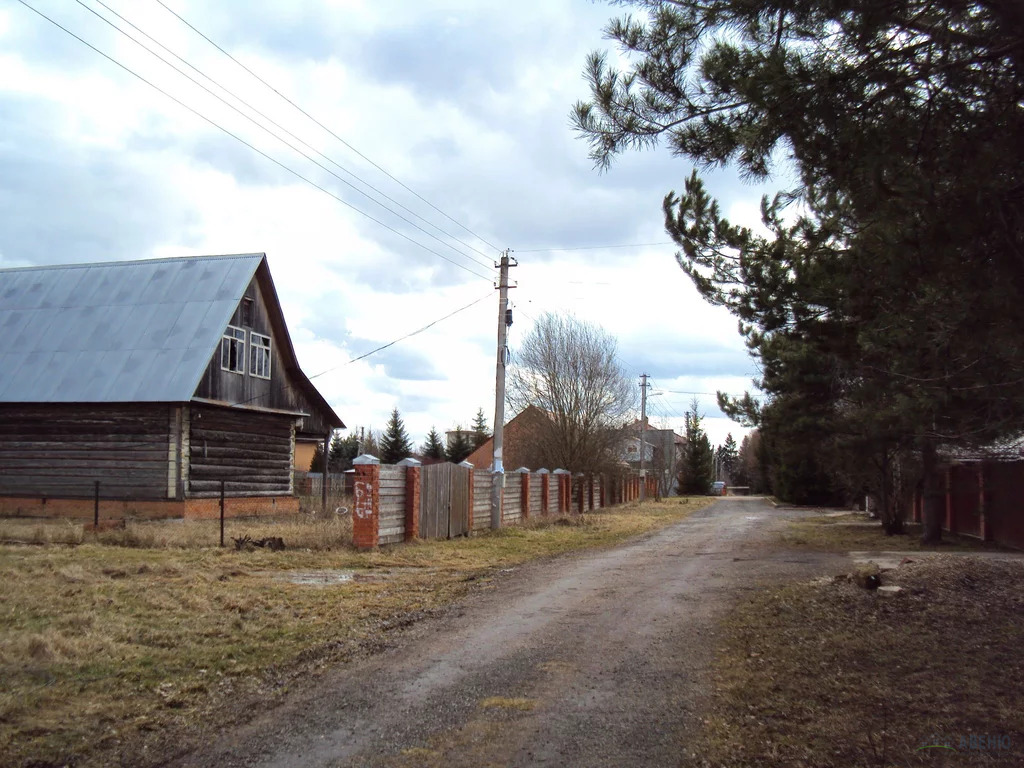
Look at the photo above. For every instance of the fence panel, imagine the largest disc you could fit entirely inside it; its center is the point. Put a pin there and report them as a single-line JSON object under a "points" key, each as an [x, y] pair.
{"points": [[458, 515], [392, 504], [512, 505], [536, 493], [481, 499]]}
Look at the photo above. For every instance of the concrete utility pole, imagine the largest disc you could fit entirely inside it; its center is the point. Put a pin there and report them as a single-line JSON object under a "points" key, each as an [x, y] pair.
{"points": [[504, 321], [643, 438]]}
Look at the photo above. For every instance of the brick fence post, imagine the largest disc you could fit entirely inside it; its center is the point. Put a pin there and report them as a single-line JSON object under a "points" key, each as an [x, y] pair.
{"points": [[412, 497], [561, 476], [366, 509], [524, 497], [602, 481], [545, 491]]}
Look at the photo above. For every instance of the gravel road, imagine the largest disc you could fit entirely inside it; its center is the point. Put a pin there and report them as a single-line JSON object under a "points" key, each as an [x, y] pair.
{"points": [[597, 659]]}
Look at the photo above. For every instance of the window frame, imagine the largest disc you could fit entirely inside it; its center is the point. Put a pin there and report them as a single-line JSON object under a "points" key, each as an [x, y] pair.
{"points": [[233, 339], [253, 348]]}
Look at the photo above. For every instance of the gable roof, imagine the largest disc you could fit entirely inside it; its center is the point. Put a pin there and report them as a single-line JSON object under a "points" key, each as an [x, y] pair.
{"points": [[127, 331]]}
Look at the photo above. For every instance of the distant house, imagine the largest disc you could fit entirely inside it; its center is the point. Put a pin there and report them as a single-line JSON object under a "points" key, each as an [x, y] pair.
{"points": [[158, 379], [663, 454], [520, 442]]}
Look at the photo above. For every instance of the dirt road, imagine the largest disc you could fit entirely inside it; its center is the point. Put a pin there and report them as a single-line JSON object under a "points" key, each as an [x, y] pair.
{"points": [[600, 659]]}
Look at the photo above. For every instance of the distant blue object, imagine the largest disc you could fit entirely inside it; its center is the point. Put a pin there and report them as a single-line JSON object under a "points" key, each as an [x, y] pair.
{"points": [[717, 488]]}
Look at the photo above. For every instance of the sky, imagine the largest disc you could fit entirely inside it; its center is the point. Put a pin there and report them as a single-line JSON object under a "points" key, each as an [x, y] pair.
{"points": [[456, 110]]}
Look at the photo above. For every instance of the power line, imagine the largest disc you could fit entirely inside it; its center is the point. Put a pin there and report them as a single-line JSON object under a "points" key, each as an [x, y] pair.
{"points": [[324, 127], [586, 247], [276, 136], [250, 146], [374, 351]]}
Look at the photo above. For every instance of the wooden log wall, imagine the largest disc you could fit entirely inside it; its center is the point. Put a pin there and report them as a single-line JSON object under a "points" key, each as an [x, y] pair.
{"points": [[392, 504], [249, 450], [60, 450]]}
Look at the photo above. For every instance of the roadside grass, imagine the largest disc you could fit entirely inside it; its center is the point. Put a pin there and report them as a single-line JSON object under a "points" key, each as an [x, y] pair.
{"points": [[119, 647], [855, 531], [830, 674]]}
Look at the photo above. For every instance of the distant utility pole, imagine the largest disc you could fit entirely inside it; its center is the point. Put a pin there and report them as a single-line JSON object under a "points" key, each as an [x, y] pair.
{"points": [[504, 321], [643, 438]]}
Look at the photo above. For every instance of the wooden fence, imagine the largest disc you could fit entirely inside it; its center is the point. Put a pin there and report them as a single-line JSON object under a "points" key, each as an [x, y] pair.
{"points": [[407, 501]]}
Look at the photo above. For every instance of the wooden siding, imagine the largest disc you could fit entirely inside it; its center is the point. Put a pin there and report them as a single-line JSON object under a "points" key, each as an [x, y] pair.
{"points": [[481, 500], [553, 495], [512, 506], [250, 451], [61, 450], [392, 504], [536, 494], [281, 391]]}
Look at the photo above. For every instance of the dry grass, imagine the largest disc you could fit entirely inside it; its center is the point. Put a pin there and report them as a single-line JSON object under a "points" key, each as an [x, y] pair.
{"points": [[112, 649], [829, 674], [855, 531]]}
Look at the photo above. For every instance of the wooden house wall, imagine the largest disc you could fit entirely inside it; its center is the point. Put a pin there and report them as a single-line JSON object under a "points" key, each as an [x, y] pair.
{"points": [[61, 450], [250, 451], [280, 391]]}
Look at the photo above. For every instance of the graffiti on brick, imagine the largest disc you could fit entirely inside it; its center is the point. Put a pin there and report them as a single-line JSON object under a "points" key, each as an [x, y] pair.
{"points": [[363, 501]]}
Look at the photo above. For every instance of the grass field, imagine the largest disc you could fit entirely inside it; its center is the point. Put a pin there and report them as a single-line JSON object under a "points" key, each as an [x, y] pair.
{"points": [[829, 674], [113, 643]]}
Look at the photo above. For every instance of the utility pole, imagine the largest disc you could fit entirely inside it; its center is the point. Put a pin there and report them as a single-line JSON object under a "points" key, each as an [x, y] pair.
{"points": [[643, 438], [504, 321]]}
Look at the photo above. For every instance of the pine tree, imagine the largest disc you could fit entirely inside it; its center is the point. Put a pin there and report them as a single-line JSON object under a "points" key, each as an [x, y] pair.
{"points": [[727, 456], [459, 445], [394, 444], [343, 450], [480, 431], [433, 448], [317, 463], [698, 466]]}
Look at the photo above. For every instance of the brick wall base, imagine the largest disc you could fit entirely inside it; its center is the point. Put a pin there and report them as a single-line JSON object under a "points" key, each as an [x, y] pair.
{"points": [[189, 509]]}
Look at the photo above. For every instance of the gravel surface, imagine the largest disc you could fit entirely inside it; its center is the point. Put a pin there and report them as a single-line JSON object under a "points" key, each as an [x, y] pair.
{"points": [[597, 659]]}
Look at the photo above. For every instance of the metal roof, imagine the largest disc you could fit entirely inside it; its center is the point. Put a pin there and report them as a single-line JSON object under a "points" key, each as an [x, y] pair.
{"points": [[126, 331]]}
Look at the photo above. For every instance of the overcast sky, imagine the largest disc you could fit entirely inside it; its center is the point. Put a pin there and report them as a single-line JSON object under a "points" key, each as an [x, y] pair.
{"points": [[466, 103]]}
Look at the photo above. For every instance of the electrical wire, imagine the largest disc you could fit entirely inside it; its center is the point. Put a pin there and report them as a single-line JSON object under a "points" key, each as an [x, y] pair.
{"points": [[588, 247], [372, 351], [324, 127], [276, 162], [278, 126], [276, 136]]}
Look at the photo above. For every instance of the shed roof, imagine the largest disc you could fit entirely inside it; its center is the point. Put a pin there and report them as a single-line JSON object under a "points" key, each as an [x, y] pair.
{"points": [[127, 331]]}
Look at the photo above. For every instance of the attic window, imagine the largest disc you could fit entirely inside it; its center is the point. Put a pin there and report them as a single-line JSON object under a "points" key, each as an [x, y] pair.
{"points": [[247, 312], [232, 350], [259, 355]]}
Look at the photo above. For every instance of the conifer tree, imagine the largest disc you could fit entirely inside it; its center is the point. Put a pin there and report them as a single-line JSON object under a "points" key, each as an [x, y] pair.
{"points": [[480, 431], [460, 445], [394, 444], [433, 448], [343, 450], [697, 471]]}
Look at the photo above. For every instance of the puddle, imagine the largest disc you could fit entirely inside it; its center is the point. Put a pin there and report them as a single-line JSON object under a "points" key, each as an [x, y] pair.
{"points": [[316, 578]]}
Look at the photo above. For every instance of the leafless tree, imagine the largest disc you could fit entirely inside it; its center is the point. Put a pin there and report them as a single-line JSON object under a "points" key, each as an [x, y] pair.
{"points": [[568, 368]]}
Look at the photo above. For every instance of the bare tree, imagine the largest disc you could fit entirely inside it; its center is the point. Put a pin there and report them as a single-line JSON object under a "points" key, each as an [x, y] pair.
{"points": [[568, 368]]}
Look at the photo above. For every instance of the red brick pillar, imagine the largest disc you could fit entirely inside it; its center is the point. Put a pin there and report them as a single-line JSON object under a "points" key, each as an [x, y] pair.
{"points": [[545, 493], [524, 491], [366, 507], [412, 503], [590, 492], [949, 499], [581, 502]]}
